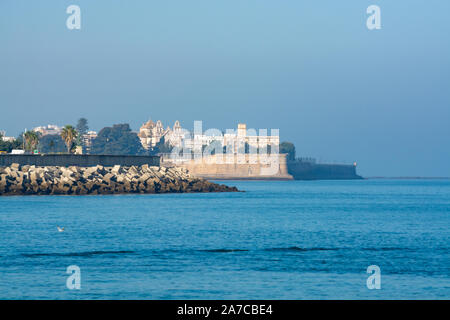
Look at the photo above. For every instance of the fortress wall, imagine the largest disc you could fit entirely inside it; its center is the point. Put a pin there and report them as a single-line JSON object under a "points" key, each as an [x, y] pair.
{"points": [[81, 160], [307, 171], [209, 168]]}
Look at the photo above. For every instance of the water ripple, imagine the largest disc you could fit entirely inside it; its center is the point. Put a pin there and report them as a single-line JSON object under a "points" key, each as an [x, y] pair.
{"points": [[75, 254]]}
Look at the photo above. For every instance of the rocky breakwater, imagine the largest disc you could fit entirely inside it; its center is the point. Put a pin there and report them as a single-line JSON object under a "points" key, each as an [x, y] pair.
{"points": [[32, 180]]}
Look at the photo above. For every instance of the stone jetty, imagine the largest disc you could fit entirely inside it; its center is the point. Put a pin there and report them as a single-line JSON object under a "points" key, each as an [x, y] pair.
{"points": [[33, 180]]}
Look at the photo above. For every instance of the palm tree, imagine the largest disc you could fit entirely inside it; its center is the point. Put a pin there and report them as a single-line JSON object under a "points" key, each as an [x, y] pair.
{"points": [[69, 134], [31, 140]]}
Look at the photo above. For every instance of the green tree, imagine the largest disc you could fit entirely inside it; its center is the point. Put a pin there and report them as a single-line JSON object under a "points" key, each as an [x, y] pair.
{"points": [[51, 143], [69, 134], [117, 140], [19, 142], [82, 128], [31, 140], [4, 145], [8, 146], [161, 147], [289, 148]]}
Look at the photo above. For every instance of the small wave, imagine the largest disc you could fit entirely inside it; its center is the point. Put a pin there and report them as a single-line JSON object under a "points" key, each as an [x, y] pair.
{"points": [[224, 250], [302, 249], [75, 254], [345, 249], [389, 249]]}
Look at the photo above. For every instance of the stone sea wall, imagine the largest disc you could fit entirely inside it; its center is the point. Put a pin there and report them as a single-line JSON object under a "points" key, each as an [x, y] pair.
{"points": [[19, 179]]}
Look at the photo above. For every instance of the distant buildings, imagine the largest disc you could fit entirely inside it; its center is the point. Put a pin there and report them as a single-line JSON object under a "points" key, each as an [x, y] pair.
{"points": [[235, 141], [8, 139], [52, 129], [88, 138], [48, 129], [151, 134], [242, 140], [5, 138], [250, 139]]}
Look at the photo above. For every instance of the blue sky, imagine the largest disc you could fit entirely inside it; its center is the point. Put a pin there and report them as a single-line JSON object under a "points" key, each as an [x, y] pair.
{"points": [[310, 68]]}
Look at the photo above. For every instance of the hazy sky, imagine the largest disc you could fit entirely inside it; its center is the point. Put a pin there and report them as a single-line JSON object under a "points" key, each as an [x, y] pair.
{"points": [[310, 68]]}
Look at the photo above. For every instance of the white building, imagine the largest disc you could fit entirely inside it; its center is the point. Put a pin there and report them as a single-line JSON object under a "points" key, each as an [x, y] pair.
{"points": [[249, 140], [48, 129], [151, 134], [88, 138], [240, 140], [5, 138]]}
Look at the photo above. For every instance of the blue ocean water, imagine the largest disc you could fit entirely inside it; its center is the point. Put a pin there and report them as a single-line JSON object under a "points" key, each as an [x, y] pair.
{"points": [[277, 240]]}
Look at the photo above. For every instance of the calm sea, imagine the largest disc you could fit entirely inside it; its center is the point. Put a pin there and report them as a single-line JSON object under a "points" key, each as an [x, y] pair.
{"points": [[277, 240]]}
